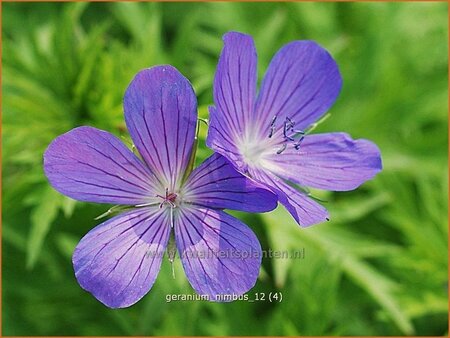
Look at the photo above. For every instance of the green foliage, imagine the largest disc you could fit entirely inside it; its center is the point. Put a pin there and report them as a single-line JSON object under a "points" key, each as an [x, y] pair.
{"points": [[379, 267]]}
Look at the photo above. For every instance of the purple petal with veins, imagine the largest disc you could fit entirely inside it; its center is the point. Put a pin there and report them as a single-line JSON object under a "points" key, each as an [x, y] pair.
{"points": [[305, 210], [235, 82], [118, 260], [301, 83], [220, 254], [267, 139], [216, 184], [331, 161], [161, 115], [92, 165]]}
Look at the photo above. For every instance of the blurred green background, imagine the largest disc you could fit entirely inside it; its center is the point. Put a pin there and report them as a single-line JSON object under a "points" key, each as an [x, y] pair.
{"points": [[379, 267]]}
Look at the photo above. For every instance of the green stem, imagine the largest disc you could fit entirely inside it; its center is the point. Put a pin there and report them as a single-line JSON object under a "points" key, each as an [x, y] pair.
{"points": [[191, 162]]}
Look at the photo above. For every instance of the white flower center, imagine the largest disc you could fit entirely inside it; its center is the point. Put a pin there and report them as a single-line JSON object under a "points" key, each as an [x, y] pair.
{"points": [[254, 151]]}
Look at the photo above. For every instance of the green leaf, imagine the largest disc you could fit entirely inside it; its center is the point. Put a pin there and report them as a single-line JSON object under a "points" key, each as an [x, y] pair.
{"points": [[66, 244], [68, 206], [42, 216], [285, 234]]}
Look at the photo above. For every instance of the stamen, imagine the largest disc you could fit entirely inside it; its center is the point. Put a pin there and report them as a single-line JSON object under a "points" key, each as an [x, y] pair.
{"points": [[298, 144], [297, 131], [169, 198], [289, 133], [288, 125], [146, 204], [163, 198], [272, 126], [283, 148]]}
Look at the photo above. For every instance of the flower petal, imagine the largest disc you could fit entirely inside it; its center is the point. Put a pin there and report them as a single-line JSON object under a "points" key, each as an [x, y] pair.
{"points": [[92, 165], [302, 82], [161, 115], [305, 210], [221, 256], [118, 261], [216, 184], [328, 161], [235, 82], [219, 139]]}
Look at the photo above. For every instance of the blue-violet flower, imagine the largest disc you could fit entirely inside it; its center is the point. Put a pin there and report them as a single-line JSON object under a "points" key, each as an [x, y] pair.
{"points": [[118, 261], [266, 137]]}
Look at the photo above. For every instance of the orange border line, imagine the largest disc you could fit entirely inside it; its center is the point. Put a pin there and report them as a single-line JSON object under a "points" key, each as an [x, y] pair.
{"points": [[181, 1], [1, 164]]}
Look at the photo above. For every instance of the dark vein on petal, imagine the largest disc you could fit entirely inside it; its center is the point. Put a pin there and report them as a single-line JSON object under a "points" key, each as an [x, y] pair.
{"points": [[196, 187], [192, 244], [227, 116], [113, 239], [161, 108], [206, 243], [132, 245], [280, 84], [210, 171], [149, 158], [223, 136], [140, 167], [229, 224], [226, 150], [221, 231], [236, 115], [319, 87], [183, 156], [134, 194], [177, 161], [145, 187], [269, 91], [240, 92], [161, 168], [160, 230]]}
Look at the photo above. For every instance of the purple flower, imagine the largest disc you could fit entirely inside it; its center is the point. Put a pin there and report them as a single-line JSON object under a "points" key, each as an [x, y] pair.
{"points": [[266, 136], [118, 261]]}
